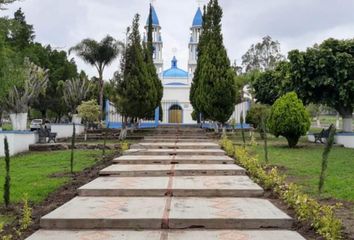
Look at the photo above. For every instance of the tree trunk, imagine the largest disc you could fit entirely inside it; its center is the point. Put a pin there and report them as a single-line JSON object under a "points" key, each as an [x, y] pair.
{"points": [[0, 120], [347, 115], [348, 123], [292, 141], [318, 120], [101, 89]]}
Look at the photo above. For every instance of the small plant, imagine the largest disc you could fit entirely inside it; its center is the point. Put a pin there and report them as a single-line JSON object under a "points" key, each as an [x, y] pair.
{"points": [[264, 136], [289, 118], [72, 149], [326, 152], [242, 120], [124, 146], [26, 217], [7, 184]]}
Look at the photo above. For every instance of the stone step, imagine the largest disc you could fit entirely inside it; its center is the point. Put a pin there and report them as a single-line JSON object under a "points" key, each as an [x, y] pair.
{"points": [[172, 145], [154, 152], [174, 213], [154, 170], [164, 235], [174, 140], [178, 159], [169, 136], [193, 186]]}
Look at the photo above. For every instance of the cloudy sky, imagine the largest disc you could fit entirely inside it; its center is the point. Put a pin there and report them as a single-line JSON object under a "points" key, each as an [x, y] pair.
{"points": [[294, 23]]}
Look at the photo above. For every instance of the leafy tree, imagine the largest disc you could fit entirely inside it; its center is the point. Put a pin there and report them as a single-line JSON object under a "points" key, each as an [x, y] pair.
{"points": [[59, 68], [289, 118], [324, 74], [75, 91], [35, 80], [262, 56], [100, 55], [89, 111], [214, 92], [22, 33], [256, 113]]}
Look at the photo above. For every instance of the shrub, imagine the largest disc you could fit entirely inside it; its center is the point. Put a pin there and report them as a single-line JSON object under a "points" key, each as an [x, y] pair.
{"points": [[89, 111], [289, 118], [255, 114]]}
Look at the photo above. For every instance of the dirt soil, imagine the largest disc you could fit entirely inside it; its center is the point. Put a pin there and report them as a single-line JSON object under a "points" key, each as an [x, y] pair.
{"points": [[57, 198]]}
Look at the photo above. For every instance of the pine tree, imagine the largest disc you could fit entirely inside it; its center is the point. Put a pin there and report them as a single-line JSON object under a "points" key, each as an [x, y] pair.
{"points": [[135, 87], [213, 91], [7, 184]]}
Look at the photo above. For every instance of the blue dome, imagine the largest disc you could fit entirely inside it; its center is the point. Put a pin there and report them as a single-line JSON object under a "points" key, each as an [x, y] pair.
{"points": [[198, 19], [155, 19], [174, 71]]}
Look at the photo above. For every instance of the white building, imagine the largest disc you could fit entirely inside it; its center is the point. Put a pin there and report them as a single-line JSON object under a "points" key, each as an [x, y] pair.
{"points": [[176, 106]]}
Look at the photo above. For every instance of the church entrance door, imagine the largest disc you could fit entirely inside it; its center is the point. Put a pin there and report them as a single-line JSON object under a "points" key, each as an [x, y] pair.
{"points": [[175, 114]]}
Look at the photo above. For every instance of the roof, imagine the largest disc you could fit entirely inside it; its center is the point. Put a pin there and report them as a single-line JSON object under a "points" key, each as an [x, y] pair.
{"points": [[155, 19], [198, 19], [174, 71]]}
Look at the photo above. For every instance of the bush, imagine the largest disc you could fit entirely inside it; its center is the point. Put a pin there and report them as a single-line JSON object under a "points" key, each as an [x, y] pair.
{"points": [[289, 118], [89, 111], [254, 115]]}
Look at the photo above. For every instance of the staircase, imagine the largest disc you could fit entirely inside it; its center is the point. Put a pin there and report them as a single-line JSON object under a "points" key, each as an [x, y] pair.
{"points": [[176, 184]]}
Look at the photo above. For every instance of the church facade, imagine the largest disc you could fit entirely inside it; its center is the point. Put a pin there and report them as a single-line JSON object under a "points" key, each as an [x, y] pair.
{"points": [[176, 107]]}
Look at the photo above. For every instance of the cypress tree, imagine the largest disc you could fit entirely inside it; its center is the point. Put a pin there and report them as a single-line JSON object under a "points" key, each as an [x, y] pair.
{"points": [[135, 88], [214, 91], [157, 91], [7, 176]]}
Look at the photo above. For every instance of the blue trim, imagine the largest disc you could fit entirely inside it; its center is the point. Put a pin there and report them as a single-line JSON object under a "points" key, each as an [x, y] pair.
{"points": [[176, 84], [347, 134]]}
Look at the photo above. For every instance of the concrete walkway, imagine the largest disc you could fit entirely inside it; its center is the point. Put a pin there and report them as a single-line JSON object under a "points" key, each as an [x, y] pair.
{"points": [[176, 184]]}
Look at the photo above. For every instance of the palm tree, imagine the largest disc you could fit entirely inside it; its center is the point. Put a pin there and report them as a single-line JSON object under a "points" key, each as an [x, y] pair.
{"points": [[100, 55]]}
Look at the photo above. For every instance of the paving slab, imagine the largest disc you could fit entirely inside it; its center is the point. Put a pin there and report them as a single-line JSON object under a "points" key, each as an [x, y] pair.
{"points": [[173, 136], [178, 159], [177, 140], [178, 213], [178, 145], [193, 186], [164, 235], [226, 213], [216, 152], [154, 170]]}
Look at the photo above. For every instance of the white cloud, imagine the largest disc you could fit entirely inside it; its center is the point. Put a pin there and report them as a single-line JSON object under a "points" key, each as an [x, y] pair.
{"points": [[296, 24]]}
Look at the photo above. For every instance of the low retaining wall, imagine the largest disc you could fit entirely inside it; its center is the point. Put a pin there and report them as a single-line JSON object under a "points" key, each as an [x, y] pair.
{"points": [[19, 141], [345, 139], [66, 130]]}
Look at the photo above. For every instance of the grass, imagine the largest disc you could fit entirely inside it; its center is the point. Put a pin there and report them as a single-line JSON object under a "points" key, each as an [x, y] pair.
{"points": [[303, 165], [32, 173]]}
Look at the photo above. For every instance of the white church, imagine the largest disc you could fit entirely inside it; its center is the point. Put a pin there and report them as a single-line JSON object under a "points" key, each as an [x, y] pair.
{"points": [[176, 106]]}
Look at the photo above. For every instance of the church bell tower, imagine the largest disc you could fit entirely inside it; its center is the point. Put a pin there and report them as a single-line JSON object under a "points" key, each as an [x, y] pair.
{"points": [[157, 40], [194, 41]]}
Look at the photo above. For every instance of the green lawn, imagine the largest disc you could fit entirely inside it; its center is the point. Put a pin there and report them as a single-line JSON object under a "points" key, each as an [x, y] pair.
{"points": [[32, 173], [303, 165]]}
